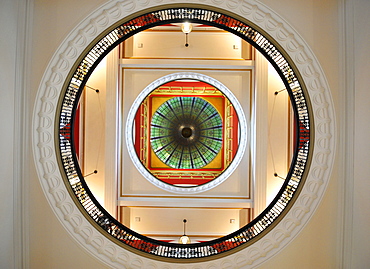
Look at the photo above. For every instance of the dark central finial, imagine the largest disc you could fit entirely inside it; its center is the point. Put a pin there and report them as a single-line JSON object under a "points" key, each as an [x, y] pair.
{"points": [[186, 132]]}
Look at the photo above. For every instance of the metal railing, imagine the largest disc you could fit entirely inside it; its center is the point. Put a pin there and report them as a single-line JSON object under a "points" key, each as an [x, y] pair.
{"points": [[110, 225]]}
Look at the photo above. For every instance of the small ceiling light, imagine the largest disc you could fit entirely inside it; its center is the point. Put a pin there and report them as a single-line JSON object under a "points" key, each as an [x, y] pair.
{"points": [[186, 28], [184, 239]]}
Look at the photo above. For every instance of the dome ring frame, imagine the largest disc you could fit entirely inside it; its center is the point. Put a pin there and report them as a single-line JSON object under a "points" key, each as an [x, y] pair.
{"points": [[84, 232], [242, 141]]}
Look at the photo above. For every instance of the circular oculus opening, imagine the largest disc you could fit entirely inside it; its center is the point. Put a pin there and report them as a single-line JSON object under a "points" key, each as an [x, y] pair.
{"points": [[101, 217], [187, 132]]}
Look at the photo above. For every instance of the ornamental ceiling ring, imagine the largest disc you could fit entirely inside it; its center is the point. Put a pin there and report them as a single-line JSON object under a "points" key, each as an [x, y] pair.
{"points": [[45, 143], [193, 76]]}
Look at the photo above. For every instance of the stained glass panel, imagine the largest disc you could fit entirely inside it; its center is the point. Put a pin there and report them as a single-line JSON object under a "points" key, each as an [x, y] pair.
{"points": [[186, 132]]}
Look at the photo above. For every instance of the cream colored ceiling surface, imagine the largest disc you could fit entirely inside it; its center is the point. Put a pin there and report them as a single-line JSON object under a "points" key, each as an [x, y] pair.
{"points": [[76, 223]]}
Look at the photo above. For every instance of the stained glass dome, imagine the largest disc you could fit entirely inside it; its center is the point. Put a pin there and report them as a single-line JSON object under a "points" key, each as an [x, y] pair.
{"points": [[186, 132]]}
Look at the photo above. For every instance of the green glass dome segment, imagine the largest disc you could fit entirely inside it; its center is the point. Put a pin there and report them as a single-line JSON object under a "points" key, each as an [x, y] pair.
{"points": [[186, 132]]}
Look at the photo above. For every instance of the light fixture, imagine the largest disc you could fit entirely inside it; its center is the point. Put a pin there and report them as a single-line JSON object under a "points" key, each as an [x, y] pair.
{"points": [[184, 239], [186, 28]]}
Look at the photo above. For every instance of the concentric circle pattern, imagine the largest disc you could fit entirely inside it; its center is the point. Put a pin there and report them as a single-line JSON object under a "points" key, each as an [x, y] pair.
{"points": [[268, 232], [186, 132]]}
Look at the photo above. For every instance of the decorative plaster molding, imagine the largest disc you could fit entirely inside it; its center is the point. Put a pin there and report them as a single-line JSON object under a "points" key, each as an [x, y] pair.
{"points": [[347, 47], [21, 133], [177, 76], [45, 151]]}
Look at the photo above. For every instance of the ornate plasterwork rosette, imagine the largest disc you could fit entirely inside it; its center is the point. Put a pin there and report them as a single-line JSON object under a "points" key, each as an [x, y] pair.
{"points": [[116, 256], [178, 76]]}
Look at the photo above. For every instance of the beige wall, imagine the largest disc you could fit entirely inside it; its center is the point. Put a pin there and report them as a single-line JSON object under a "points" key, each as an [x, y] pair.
{"points": [[319, 245], [50, 246], [7, 132], [279, 150], [92, 139], [361, 184]]}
